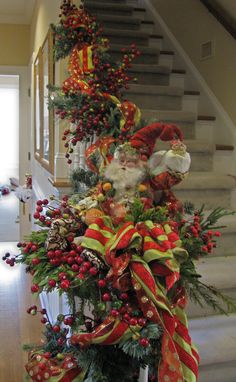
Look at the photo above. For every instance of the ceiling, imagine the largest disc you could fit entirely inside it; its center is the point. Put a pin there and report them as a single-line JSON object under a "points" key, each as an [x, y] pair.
{"points": [[16, 11]]}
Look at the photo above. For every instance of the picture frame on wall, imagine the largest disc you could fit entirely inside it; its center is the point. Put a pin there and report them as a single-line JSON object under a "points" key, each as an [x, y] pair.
{"points": [[37, 104], [43, 117]]}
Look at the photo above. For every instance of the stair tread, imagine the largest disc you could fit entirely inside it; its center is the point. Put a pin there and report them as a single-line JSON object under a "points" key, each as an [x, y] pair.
{"points": [[125, 33], [218, 372], [114, 6], [171, 115], [218, 271], [155, 89], [193, 146], [153, 68], [118, 18], [143, 49], [215, 338], [206, 180]]}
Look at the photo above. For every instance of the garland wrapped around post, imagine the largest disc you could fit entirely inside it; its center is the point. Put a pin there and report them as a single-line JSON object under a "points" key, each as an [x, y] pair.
{"points": [[123, 244]]}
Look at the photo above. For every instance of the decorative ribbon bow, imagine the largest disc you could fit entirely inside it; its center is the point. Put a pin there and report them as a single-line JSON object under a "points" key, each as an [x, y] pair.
{"points": [[157, 249], [40, 368]]}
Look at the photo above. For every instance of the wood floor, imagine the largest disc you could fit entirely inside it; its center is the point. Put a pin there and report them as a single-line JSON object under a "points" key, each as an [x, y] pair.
{"points": [[16, 326]]}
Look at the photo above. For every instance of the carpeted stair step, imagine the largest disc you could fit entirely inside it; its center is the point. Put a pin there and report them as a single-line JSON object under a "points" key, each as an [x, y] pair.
{"points": [[148, 54], [149, 74], [220, 273], [185, 120], [218, 372], [119, 22], [216, 341], [109, 8], [201, 153], [117, 36], [210, 188], [155, 97], [226, 243]]}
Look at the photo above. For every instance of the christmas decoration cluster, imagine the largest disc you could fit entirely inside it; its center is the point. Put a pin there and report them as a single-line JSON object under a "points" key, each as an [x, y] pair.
{"points": [[122, 248]]}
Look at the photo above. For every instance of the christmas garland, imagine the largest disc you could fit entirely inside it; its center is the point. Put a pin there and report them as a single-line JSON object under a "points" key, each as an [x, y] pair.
{"points": [[115, 245]]}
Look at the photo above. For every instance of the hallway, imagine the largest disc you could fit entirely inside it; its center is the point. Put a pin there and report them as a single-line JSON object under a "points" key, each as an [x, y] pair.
{"points": [[16, 326]]}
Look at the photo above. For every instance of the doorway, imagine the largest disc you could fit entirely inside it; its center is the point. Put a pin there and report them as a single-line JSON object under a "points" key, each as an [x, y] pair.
{"points": [[9, 157]]}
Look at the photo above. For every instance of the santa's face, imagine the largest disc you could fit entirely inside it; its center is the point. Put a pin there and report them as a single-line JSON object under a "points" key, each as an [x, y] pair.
{"points": [[125, 172]]}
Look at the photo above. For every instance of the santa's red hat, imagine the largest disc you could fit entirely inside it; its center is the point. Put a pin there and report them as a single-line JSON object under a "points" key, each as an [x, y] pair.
{"points": [[145, 139]]}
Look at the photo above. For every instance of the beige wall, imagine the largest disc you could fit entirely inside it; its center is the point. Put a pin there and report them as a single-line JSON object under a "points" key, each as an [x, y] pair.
{"points": [[45, 13], [192, 25], [14, 44]]}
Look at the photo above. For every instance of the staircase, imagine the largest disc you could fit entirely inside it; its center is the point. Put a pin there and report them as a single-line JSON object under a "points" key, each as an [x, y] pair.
{"points": [[161, 94]]}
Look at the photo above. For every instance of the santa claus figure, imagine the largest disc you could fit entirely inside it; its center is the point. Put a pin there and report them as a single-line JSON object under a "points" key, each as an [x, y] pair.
{"points": [[126, 171], [137, 162]]}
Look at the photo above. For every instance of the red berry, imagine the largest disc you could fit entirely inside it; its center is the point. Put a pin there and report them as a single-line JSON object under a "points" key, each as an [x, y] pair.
{"points": [[142, 321], [133, 321], [43, 311], [36, 215], [62, 275], [114, 313], [45, 202], [124, 296], [126, 317], [44, 320], [52, 283], [102, 283], [80, 276], [218, 233], [39, 203], [144, 342], [35, 261], [56, 329], [34, 248], [106, 297], [75, 267], [60, 341], [34, 288], [65, 284], [93, 271]]}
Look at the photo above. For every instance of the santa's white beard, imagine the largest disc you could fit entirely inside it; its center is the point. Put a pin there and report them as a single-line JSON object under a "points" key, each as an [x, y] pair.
{"points": [[124, 178]]}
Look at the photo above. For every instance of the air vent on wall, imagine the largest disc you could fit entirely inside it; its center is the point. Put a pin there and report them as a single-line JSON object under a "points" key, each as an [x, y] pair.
{"points": [[207, 50]]}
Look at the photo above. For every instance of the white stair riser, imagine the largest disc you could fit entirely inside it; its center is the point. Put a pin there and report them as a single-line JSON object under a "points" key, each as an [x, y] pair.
{"points": [[166, 60], [150, 78], [201, 162], [211, 198], [177, 80], [215, 338], [156, 43], [149, 101], [193, 310], [205, 129], [190, 103], [142, 59], [224, 161], [221, 372], [117, 39], [226, 244]]}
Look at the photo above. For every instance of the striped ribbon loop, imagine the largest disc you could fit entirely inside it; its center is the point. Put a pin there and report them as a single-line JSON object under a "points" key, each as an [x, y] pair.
{"points": [[148, 249]]}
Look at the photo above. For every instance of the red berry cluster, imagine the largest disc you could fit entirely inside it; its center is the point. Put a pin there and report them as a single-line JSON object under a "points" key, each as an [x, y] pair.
{"points": [[33, 310], [9, 260], [209, 242], [75, 261]]}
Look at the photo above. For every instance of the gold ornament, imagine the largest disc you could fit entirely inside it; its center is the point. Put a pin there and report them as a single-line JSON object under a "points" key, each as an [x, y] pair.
{"points": [[149, 314], [144, 299], [91, 215]]}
